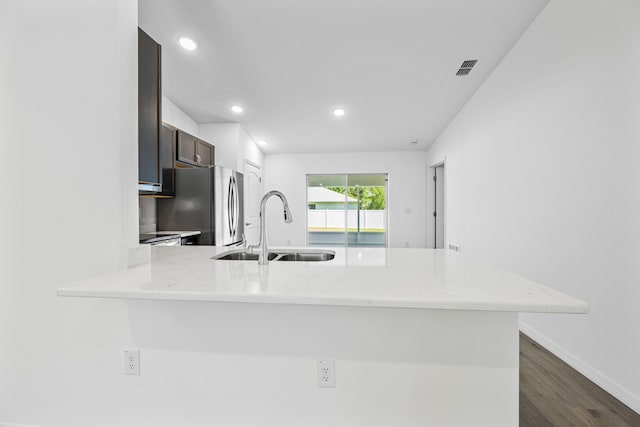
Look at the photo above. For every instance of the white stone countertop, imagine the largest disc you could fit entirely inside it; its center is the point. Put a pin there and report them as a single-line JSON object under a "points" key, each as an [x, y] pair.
{"points": [[361, 277]]}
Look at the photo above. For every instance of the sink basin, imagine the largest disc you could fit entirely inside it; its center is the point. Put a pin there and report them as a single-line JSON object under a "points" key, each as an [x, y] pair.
{"points": [[241, 256], [284, 255], [306, 256]]}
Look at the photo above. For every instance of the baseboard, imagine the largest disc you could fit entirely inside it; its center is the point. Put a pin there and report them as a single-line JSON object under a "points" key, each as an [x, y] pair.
{"points": [[610, 386]]}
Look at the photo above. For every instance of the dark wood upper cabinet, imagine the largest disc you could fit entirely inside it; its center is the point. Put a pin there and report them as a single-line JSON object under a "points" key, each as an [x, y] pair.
{"points": [[187, 148], [167, 159], [149, 109], [194, 151], [205, 153]]}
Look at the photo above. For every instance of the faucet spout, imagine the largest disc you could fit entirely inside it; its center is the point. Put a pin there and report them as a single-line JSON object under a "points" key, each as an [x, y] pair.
{"points": [[263, 257], [288, 218]]}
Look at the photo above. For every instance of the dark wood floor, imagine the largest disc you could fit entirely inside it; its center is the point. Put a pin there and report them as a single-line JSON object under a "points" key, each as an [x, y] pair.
{"points": [[552, 394]]}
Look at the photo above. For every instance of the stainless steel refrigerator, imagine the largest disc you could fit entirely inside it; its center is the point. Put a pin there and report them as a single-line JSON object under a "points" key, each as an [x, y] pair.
{"points": [[209, 200]]}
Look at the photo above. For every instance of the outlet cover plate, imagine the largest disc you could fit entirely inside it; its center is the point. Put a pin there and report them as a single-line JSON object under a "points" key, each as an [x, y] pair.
{"points": [[326, 373], [132, 362]]}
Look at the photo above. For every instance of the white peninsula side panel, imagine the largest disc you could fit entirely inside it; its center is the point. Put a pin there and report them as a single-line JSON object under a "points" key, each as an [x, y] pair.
{"points": [[394, 367]]}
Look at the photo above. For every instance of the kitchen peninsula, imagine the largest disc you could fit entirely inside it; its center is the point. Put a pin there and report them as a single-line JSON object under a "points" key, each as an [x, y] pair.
{"points": [[419, 336]]}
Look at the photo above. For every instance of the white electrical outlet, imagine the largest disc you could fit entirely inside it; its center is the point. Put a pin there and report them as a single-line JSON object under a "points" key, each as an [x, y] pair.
{"points": [[132, 362], [326, 373]]}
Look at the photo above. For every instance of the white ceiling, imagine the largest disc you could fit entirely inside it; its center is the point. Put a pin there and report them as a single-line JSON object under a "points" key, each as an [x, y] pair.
{"points": [[390, 64]]}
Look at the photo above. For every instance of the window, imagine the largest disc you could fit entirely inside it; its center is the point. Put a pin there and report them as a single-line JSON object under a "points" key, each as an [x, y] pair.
{"points": [[347, 210]]}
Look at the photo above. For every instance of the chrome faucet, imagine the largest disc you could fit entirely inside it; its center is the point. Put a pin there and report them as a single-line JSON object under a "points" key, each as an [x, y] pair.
{"points": [[263, 255]]}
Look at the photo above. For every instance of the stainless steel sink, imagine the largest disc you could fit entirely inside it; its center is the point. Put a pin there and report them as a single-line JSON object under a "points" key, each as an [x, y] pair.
{"points": [[240, 256], [309, 255], [306, 256]]}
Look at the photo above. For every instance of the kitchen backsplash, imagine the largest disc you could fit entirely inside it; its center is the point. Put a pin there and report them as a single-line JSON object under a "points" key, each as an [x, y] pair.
{"points": [[147, 214]]}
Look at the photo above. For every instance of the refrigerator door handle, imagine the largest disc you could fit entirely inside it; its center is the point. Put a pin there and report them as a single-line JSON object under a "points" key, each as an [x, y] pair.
{"points": [[235, 207], [236, 194], [230, 202]]}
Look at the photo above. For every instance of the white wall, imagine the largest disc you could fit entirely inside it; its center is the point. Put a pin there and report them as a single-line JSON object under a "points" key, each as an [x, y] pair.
{"points": [[543, 179], [173, 115], [248, 150], [233, 145], [225, 137], [69, 103], [406, 191]]}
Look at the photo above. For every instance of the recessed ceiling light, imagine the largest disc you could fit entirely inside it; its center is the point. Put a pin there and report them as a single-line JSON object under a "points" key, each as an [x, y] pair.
{"points": [[188, 43], [338, 112], [263, 141], [237, 109]]}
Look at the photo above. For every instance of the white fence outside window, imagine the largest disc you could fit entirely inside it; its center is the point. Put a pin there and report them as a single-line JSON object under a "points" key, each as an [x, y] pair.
{"points": [[327, 218]]}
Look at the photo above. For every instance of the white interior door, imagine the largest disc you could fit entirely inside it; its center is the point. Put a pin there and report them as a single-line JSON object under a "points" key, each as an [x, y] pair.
{"points": [[252, 198], [439, 207]]}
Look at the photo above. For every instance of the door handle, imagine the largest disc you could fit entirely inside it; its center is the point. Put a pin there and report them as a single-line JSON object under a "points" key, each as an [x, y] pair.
{"points": [[230, 207], [235, 208], [236, 201], [247, 223]]}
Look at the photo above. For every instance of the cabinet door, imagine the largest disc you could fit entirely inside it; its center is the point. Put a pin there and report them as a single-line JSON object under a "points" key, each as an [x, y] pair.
{"points": [[168, 159], [205, 154], [187, 148], [148, 108]]}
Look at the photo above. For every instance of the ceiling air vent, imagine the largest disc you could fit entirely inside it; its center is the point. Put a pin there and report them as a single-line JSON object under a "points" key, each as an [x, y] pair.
{"points": [[466, 67]]}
